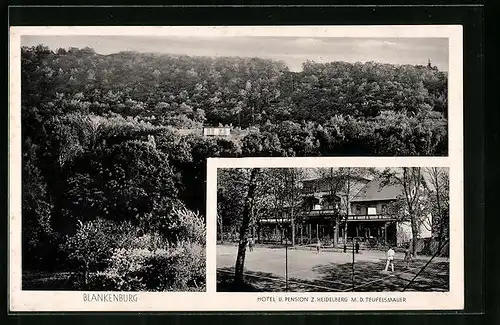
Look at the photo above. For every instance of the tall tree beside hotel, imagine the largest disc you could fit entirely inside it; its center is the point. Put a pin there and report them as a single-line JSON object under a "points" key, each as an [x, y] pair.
{"points": [[265, 203], [412, 205], [439, 179], [283, 186], [232, 189], [352, 184], [274, 186], [335, 182], [294, 177], [345, 182], [249, 201], [271, 189]]}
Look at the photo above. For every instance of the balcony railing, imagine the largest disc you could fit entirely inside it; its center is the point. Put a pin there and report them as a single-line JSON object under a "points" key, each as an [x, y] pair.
{"points": [[380, 217], [318, 214], [276, 221], [322, 212], [352, 217]]}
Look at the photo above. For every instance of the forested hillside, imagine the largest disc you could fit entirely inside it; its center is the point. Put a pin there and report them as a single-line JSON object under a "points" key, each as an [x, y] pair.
{"points": [[232, 90], [105, 147]]}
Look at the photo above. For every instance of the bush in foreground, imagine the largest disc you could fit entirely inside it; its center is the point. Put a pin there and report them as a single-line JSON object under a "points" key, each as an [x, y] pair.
{"points": [[123, 257], [179, 268]]}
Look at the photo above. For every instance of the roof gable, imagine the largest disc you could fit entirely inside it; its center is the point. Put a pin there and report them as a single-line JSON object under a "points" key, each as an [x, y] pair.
{"points": [[376, 190], [324, 184]]}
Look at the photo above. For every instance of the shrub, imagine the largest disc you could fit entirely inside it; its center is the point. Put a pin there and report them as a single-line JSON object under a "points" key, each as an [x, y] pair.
{"points": [[91, 246], [180, 268], [183, 225], [176, 269], [94, 244], [124, 271], [120, 256]]}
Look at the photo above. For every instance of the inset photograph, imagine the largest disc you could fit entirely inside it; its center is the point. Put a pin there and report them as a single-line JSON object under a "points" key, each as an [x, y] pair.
{"points": [[344, 229]]}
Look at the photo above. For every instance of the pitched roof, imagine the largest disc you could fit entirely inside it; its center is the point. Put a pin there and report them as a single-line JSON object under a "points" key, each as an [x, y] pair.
{"points": [[375, 190], [312, 178]]}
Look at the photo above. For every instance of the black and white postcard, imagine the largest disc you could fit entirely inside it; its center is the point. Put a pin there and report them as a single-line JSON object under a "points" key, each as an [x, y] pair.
{"points": [[336, 229], [336, 233], [235, 168]]}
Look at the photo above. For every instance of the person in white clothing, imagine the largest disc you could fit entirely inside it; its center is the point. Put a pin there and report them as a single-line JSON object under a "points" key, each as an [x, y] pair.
{"points": [[390, 259], [251, 243]]}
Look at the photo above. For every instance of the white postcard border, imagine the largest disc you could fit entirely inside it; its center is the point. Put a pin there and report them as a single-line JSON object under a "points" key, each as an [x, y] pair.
{"points": [[20, 300]]}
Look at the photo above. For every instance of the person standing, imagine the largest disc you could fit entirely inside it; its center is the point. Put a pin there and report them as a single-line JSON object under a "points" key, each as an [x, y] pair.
{"points": [[408, 256], [318, 247], [390, 259], [357, 247]]}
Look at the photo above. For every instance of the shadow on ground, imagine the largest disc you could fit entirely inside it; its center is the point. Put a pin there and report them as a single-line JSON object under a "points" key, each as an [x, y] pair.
{"points": [[265, 245], [368, 277], [254, 282], [225, 282]]}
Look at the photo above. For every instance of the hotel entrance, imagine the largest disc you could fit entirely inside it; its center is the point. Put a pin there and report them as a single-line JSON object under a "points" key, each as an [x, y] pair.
{"points": [[371, 234]]}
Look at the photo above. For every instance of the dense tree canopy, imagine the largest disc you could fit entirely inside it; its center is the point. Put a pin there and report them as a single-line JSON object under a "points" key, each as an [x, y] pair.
{"points": [[190, 91]]}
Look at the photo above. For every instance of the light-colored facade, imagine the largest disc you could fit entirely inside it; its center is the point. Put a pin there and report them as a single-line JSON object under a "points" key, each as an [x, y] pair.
{"points": [[329, 213], [217, 131], [373, 203]]}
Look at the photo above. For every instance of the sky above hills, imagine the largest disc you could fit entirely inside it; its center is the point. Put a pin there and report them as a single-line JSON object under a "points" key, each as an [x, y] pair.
{"points": [[292, 50]]}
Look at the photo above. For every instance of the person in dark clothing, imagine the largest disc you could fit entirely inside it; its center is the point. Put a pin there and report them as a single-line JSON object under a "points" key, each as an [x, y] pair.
{"points": [[408, 256], [357, 247]]}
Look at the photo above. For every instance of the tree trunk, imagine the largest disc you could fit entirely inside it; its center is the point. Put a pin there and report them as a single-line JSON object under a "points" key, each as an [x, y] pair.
{"points": [[336, 232], [441, 233], [252, 220], [440, 214], [348, 203], [240, 260], [345, 233], [414, 233], [221, 230]]}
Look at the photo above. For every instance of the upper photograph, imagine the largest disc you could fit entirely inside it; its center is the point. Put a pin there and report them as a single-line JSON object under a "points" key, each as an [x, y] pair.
{"points": [[241, 96]]}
